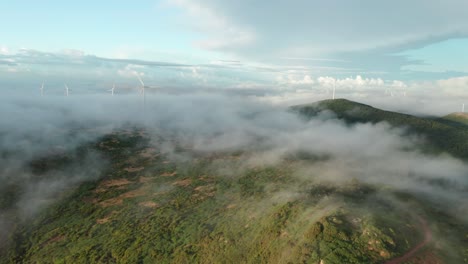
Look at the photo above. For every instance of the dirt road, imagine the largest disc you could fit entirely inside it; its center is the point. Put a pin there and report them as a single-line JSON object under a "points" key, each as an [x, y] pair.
{"points": [[408, 255]]}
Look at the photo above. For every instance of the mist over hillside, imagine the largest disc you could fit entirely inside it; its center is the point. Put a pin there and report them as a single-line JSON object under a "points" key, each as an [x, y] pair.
{"points": [[47, 151], [209, 131]]}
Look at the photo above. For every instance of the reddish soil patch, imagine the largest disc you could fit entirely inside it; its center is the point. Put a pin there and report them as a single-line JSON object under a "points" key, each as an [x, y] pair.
{"points": [[203, 192], [145, 179], [412, 252], [204, 188], [205, 178], [116, 182], [111, 202], [426, 257], [183, 183], [103, 220], [119, 199], [459, 114], [169, 174], [149, 204], [149, 153], [132, 169], [120, 183], [55, 239], [106, 219]]}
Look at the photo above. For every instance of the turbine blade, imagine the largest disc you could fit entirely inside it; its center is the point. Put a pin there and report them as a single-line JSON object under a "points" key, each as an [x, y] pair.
{"points": [[141, 81]]}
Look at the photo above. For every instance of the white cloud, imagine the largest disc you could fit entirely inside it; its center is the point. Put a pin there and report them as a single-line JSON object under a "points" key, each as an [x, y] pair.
{"points": [[131, 71], [427, 97], [294, 79], [73, 52], [454, 86], [305, 29], [4, 50], [223, 33]]}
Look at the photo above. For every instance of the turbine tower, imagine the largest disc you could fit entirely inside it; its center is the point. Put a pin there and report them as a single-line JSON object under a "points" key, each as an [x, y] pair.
{"points": [[463, 108], [67, 90], [142, 89], [334, 89], [42, 89], [112, 90]]}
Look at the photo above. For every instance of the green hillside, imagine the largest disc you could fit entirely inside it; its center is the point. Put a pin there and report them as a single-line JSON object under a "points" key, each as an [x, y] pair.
{"points": [[460, 118], [442, 136], [149, 207]]}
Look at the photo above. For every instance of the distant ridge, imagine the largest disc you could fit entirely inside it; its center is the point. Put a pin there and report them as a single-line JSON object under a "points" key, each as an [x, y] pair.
{"points": [[458, 117], [443, 134]]}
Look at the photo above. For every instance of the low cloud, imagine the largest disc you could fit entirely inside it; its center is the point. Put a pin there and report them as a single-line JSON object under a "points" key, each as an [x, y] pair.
{"points": [[205, 123]]}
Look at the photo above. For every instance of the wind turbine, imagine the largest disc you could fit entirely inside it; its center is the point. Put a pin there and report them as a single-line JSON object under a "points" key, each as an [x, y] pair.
{"points": [[334, 89], [142, 89], [463, 108], [112, 90], [42, 89], [67, 90]]}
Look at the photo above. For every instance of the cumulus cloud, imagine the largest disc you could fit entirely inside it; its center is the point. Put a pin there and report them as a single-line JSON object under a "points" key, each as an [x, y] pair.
{"points": [[4, 50], [331, 25], [368, 36], [422, 98], [225, 33]]}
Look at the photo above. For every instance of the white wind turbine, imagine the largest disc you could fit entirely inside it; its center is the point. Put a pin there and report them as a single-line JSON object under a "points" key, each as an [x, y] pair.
{"points": [[67, 90], [112, 90], [142, 89], [389, 92], [334, 89], [42, 89], [463, 108]]}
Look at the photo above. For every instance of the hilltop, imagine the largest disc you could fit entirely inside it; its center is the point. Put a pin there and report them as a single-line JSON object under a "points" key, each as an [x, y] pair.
{"points": [[442, 136], [151, 206], [461, 118]]}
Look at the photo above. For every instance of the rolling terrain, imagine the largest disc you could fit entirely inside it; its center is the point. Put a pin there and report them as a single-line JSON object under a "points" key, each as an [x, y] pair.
{"points": [[149, 205], [441, 135]]}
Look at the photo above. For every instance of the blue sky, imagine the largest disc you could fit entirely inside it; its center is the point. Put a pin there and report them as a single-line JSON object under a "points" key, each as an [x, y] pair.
{"points": [[235, 44], [147, 28]]}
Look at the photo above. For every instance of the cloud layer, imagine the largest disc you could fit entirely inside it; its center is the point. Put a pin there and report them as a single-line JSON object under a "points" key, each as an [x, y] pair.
{"points": [[317, 27]]}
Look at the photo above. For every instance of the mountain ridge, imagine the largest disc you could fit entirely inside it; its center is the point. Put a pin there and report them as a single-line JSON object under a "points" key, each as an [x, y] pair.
{"points": [[443, 135]]}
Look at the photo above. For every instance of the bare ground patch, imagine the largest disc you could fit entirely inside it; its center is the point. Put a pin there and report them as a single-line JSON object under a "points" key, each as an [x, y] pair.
{"points": [[145, 179], [183, 183], [119, 199], [106, 219], [134, 169], [54, 239], [120, 183], [149, 204], [149, 153], [169, 174]]}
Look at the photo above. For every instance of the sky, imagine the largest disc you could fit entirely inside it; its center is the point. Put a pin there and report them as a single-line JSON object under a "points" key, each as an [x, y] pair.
{"points": [[219, 66], [261, 46]]}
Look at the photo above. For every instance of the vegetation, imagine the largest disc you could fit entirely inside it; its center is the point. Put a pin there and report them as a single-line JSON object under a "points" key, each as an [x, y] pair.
{"points": [[460, 119], [442, 136], [149, 208]]}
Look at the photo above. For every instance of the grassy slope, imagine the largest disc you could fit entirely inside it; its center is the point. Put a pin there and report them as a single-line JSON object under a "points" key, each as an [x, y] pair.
{"points": [[153, 215], [442, 136], [460, 118], [148, 209]]}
